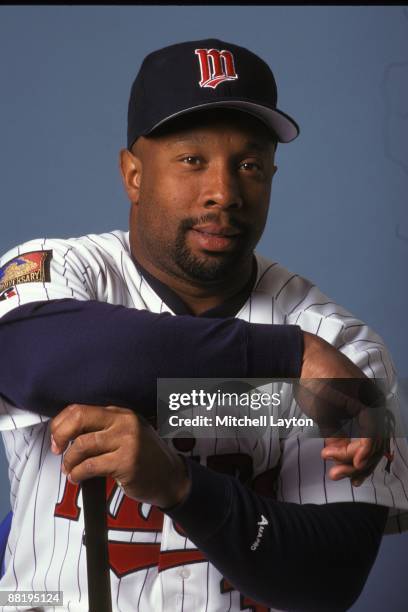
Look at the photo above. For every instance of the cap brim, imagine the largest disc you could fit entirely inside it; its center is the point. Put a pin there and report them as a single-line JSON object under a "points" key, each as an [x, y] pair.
{"points": [[285, 128]]}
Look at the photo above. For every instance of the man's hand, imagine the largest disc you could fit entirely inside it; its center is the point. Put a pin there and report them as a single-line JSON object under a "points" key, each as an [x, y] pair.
{"points": [[112, 441], [354, 458]]}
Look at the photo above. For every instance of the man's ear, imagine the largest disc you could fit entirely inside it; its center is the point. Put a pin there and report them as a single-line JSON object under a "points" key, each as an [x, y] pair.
{"points": [[131, 171]]}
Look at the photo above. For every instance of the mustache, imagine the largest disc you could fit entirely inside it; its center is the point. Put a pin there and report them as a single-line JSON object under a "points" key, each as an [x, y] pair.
{"points": [[190, 222]]}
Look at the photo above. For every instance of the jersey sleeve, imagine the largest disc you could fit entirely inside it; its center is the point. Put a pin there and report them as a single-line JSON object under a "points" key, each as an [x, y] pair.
{"points": [[304, 475], [44, 269], [40, 270]]}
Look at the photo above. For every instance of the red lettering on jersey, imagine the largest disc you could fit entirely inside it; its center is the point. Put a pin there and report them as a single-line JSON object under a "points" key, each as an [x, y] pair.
{"points": [[68, 506], [131, 515], [173, 558], [128, 557]]}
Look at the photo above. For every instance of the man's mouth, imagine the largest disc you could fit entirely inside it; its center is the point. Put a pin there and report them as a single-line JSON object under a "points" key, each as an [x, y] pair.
{"points": [[215, 237], [217, 230]]}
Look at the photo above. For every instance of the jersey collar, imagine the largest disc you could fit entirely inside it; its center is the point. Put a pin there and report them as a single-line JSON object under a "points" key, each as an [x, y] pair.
{"points": [[229, 308]]}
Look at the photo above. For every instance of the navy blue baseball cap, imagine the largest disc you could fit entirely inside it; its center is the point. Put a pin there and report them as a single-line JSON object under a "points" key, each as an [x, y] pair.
{"points": [[202, 74]]}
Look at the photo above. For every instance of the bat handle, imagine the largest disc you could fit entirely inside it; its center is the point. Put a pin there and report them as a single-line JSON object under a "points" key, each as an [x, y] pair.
{"points": [[96, 541]]}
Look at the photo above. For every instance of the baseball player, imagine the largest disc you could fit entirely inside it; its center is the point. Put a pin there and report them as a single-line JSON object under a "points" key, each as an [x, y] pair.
{"points": [[204, 525]]}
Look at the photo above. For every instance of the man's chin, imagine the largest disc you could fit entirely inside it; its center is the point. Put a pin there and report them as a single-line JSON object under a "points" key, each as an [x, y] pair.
{"points": [[209, 266]]}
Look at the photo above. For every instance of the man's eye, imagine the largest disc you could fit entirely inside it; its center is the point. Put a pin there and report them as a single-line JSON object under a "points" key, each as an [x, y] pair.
{"points": [[250, 166], [191, 160]]}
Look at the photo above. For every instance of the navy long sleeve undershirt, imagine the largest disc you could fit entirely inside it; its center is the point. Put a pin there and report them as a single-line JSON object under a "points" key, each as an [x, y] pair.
{"points": [[307, 558], [69, 351]]}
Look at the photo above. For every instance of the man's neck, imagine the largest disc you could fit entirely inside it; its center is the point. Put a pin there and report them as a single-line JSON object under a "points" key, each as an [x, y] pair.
{"points": [[200, 298]]}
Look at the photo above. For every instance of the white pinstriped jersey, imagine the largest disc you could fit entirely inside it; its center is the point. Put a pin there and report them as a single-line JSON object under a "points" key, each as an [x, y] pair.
{"points": [[154, 567]]}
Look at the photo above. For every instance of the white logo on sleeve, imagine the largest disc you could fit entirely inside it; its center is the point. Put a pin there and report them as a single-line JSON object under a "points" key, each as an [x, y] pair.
{"points": [[261, 523]]}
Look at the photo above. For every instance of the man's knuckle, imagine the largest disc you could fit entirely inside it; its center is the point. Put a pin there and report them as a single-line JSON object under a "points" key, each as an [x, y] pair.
{"points": [[80, 444], [77, 413], [90, 467], [130, 424], [98, 439]]}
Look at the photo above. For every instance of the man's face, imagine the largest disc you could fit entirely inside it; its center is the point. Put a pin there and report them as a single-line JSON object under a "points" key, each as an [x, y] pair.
{"points": [[200, 192]]}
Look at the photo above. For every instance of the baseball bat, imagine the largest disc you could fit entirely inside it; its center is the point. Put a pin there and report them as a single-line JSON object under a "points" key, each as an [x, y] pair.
{"points": [[96, 542]]}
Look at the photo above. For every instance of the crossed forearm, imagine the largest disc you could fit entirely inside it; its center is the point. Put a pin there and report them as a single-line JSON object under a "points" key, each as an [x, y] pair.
{"points": [[69, 351]]}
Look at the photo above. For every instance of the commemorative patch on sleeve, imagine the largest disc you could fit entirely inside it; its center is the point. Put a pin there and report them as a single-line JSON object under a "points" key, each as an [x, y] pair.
{"points": [[33, 267]]}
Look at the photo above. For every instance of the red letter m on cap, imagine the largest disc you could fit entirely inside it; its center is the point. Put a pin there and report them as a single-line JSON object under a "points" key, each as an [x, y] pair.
{"points": [[216, 67]]}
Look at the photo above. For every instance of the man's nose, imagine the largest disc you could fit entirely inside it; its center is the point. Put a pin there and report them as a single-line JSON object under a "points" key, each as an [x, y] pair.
{"points": [[222, 187]]}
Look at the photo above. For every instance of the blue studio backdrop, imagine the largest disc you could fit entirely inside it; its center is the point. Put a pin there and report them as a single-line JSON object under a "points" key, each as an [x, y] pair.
{"points": [[339, 207]]}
